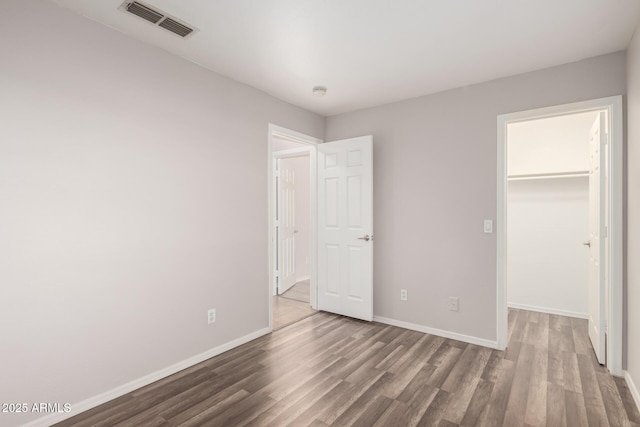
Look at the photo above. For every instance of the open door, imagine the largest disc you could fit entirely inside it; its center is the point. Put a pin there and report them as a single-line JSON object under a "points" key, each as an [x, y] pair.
{"points": [[597, 218], [286, 227], [345, 227]]}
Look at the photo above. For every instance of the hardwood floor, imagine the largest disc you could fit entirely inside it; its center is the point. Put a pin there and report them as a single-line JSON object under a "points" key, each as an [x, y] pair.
{"points": [[332, 370], [299, 292], [287, 311]]}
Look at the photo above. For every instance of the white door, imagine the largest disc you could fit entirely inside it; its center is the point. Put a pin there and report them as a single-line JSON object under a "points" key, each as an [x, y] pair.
{"points": [[597, 143], [286, 220], [345, 227]]}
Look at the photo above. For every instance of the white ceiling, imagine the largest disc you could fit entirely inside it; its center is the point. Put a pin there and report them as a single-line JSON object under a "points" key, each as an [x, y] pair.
{"points": [[372, 52]]}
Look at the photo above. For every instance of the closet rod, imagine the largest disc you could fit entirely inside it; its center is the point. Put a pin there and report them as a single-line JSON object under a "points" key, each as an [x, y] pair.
{"points": [[547, 175]]}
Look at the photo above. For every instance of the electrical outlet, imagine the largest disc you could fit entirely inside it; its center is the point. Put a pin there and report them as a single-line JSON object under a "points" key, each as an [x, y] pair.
{"points": [[453, 303], [403, 294], [211, 316]]}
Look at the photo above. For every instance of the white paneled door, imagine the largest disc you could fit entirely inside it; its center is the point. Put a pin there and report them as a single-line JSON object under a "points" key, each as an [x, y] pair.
{"points": [[597, 177], [286, 220], [345, 227]]}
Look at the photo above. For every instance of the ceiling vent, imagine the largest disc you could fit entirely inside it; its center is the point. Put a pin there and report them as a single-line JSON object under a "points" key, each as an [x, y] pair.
{"points": [[158, 18], [175, 27]]}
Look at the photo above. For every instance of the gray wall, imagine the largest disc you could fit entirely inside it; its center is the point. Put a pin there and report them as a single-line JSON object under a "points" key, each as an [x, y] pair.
{"points": [[133, 196], [435, 182], [633, 209]]}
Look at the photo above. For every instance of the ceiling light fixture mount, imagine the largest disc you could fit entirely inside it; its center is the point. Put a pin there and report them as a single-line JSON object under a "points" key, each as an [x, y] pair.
{"points": [[319, 90]]}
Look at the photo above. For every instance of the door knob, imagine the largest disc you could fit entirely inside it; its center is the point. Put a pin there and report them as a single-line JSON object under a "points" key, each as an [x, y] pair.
{"points": [[587, 243], [366, 238], [295, 231]]}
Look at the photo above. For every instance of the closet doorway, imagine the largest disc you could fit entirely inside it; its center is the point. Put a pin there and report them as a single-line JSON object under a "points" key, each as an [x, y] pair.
{"points": [[548, 166], [560, 218]]}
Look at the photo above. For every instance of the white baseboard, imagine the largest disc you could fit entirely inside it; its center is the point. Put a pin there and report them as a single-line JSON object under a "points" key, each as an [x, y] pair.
{"points": [[548, 310], [101, 398], [632, 388], [445, 334], [302, 278]]}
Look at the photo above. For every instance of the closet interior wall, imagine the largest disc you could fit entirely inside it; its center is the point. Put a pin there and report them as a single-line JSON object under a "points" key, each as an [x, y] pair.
{"points": [[547, 214]]}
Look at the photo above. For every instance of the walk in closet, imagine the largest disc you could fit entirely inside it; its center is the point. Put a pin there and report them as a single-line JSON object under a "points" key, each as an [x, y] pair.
{"points": [[547, 214]]}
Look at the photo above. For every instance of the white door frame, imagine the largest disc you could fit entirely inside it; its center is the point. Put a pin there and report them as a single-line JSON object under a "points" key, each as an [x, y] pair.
{"points": [[284, 133], [614, 243]]}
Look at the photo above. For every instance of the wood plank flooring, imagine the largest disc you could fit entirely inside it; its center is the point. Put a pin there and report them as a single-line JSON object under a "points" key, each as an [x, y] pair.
{"points": [[287, 311], [301, 291], [331, 370]]}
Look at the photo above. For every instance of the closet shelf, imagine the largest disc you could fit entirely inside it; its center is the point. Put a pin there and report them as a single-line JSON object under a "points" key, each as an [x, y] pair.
{"points": [[554, 175]]}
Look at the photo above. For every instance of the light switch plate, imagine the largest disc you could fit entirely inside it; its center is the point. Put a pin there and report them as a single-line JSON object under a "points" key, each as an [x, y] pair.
{"points": [[488, 226]]}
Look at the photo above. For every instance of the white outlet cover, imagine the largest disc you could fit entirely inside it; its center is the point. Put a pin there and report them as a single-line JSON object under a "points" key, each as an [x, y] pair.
{"points": [[488, 226], [211, 316]]}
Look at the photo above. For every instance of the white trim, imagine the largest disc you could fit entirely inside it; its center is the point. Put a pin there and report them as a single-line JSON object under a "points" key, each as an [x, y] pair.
{"points": [[439, 332], [632, 388], [107, 396], [302, 278], [613, 106], [615, 238], [294, 136], [502, 322], [548, 310]]}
